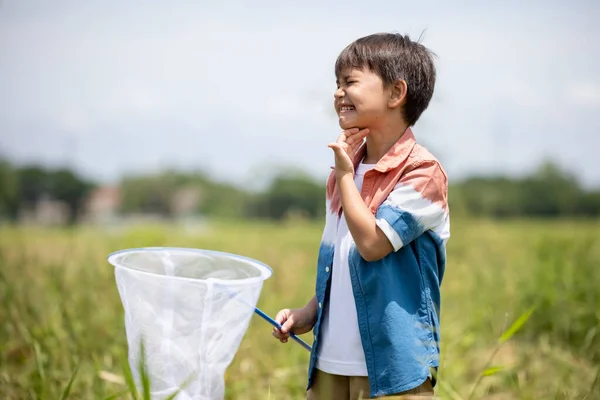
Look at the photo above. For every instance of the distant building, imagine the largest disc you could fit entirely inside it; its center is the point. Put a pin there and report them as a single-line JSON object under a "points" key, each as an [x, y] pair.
{"points": [[46, 211], [186, 201], [103, 208], [102, 204]]}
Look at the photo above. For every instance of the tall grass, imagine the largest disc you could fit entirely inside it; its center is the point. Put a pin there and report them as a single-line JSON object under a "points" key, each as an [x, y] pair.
{"points": [[520, 315], [564, 285]]}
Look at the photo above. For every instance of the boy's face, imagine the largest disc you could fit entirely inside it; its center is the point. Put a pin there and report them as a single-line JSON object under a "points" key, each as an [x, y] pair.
{"points": [[361, 101]]}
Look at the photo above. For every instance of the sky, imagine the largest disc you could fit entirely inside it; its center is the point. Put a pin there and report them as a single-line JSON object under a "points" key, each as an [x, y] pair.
{"points": [[243, 89]]}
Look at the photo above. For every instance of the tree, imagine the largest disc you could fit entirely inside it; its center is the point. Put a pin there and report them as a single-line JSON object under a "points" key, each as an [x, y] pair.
{"points": [[148, 194], [35, 183], [9, 190], [291, 193], [548, 192], [65, 186]]}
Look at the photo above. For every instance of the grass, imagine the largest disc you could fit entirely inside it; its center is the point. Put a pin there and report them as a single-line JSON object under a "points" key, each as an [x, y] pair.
{"points": [[520, 310]]}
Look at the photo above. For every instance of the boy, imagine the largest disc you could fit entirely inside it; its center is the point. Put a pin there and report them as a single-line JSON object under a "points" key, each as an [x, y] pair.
{"points": [[382, 255]]}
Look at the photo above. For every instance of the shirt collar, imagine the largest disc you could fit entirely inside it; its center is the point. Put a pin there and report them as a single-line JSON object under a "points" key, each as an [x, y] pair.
{"points": [[396, 155]]}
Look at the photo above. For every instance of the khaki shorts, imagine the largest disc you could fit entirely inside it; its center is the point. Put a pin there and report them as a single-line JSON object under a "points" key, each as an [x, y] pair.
{"points": [[337, 387]]}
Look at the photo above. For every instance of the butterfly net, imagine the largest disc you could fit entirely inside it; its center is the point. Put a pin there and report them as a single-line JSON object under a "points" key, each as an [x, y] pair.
{"points": [[190, 308]]}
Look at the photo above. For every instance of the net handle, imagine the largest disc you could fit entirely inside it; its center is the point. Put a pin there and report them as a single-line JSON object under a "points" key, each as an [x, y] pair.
{"points": [[278, 326]]}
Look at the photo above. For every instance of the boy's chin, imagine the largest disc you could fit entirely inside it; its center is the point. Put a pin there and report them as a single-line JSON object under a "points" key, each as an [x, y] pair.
{"points": [[347, 125], [350, 123]]}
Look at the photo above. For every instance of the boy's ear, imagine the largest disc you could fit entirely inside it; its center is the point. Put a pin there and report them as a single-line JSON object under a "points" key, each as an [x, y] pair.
{"points": [[398, 94]]}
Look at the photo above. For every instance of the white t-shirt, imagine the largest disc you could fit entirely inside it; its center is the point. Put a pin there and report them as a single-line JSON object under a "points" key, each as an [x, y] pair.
{"points": [[341, 351]]}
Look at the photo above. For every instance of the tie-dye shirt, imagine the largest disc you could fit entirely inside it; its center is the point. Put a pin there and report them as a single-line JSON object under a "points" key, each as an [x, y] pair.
{"points": [[398, 297]]}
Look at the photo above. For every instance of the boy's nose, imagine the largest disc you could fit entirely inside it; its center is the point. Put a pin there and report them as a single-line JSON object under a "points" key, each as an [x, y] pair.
{"points": [[338, 93]]}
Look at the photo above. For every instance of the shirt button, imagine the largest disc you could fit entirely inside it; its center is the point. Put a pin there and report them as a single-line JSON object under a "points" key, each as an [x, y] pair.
{"points": [[326, 269], [320, 305]]}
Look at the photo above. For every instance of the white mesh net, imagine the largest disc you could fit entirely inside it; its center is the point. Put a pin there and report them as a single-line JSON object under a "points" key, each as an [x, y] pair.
{"points": [[192, 309]]}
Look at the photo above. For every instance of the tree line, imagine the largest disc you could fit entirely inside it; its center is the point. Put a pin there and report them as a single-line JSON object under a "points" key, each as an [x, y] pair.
{"points": [[548, 192]]}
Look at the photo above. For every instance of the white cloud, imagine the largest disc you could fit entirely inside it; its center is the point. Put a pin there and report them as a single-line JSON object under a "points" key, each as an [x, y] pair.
{"points": [[267, 72], [584, 94], [74, 121], [521, 94]]}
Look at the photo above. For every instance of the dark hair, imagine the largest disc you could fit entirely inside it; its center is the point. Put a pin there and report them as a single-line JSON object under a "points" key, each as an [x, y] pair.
{"points": [[394, 57]]}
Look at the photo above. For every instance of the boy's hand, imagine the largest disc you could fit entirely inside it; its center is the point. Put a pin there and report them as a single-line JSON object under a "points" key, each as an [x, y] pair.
{"points": [[297, 320], [345, 149]]}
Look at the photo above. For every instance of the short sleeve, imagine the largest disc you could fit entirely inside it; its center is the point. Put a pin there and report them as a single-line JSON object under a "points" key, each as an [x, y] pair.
{"points": [[390, 233], [417, 203]]}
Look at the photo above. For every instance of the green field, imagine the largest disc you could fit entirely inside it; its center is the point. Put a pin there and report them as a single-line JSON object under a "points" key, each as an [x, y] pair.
{"points": [[60, 309]]}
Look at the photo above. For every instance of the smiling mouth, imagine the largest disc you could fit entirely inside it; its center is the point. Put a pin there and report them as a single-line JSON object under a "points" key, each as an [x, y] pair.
{"points": [[346, 108]]}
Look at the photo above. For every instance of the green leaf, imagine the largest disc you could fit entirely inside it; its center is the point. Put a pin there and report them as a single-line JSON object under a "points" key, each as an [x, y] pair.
{"points": [[129, 379], [175, 394], [38, 360], [117, 395], [449, 390], [518, 324], [492, 370], [183, 386], [144, 371], [67, 390]]}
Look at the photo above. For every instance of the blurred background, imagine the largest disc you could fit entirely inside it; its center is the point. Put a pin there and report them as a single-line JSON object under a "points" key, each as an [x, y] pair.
{"points": [[201, 124]]}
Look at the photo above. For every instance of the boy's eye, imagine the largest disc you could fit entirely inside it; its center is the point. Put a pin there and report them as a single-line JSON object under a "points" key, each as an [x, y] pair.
{"points": [[346, 83]]}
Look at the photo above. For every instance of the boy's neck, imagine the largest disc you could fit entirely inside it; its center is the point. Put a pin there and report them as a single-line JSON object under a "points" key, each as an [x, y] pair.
{"points": [[380, 141]]}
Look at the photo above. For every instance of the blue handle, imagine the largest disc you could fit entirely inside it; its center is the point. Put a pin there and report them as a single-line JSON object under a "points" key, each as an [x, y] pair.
{"points": [[274, 323]]}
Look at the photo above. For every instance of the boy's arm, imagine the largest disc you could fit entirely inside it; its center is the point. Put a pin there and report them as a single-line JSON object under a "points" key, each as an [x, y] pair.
{"points": [[371, 241], [417, 204]]}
